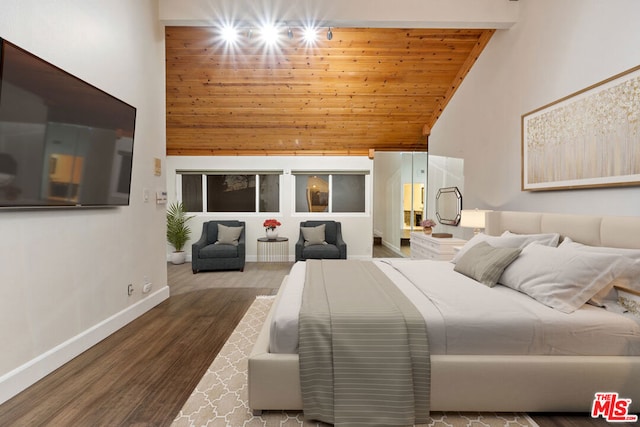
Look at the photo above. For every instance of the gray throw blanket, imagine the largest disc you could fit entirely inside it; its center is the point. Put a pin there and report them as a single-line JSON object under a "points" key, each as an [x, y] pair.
{"points": [[364, 357]]}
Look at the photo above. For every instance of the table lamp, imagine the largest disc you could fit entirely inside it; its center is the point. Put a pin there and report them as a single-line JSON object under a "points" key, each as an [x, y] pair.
{"points": [[473, 218]]}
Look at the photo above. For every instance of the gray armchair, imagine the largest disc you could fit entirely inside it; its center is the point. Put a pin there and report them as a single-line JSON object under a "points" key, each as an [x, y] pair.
{"points": [[206, 255], [335, 248]]}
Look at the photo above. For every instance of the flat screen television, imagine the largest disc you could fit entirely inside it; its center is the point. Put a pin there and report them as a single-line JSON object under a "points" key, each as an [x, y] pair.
{"points": [[63, 142]]}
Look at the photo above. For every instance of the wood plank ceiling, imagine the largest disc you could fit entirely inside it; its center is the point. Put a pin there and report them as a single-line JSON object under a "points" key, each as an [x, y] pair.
{"points": [[366, 89]]}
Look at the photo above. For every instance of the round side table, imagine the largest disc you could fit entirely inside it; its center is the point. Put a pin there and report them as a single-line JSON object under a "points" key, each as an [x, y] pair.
{"points": [[273, 250]]}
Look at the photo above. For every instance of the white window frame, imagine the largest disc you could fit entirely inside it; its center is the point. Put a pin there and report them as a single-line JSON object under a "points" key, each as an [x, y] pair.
{"points": [[331, 172], [203, 174]]}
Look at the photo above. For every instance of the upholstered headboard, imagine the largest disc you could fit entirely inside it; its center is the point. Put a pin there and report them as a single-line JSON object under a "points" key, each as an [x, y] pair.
{"points": [[612, 231]]}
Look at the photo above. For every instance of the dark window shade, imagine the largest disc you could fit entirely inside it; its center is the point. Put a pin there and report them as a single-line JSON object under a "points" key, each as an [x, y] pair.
{"points": [[231, 193], [192, 192], [348, 193]]}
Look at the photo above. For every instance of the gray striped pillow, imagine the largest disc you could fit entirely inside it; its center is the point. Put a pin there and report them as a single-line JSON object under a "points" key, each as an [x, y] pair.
{"points": [[486, 263]]}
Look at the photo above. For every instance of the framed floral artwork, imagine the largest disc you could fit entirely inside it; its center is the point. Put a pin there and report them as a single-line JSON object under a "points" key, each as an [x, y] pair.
{"points": [[588, 139]]}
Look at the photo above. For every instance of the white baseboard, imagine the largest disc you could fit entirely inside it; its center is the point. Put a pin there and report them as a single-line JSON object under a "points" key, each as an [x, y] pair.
{"points": [[28, 374], [393, 247]]}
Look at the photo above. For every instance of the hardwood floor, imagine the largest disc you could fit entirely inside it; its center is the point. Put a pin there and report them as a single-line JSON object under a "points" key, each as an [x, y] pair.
{"points": [[381, 251], [142, 374]]}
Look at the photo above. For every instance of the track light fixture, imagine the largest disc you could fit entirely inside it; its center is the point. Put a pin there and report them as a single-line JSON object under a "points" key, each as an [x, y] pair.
{"points": [[271, 34]]}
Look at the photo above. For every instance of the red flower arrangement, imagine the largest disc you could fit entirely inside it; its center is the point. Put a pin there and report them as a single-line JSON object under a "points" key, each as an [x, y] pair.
{"points": [[271, 224]]}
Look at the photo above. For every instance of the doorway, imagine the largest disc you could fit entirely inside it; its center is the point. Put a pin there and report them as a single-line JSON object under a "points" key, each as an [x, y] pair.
{"points": [[414, 200], [400, 197], [404, 188]]}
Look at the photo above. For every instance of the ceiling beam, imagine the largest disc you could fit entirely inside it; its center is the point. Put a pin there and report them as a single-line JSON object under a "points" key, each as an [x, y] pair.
{"points": [[485, 14]]}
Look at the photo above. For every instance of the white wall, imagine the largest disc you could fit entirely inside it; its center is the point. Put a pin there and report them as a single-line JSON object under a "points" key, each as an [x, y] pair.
{"points": [[356, 227], [64, 273], [387, 189], [445, 172], [557, 48]]}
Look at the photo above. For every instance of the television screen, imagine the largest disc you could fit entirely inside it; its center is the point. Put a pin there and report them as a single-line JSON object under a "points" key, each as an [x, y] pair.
{"points": [[63, 142]]}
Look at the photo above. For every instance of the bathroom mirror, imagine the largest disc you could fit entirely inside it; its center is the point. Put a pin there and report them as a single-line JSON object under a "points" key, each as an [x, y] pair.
{"points": [[448, 205]]}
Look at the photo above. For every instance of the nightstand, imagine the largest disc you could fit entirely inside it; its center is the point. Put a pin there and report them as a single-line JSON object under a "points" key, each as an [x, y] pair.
{"points": [[425, 246], [273, 250]]}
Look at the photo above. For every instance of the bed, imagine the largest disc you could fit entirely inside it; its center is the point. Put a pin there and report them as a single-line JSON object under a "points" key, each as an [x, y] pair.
{"points": [[547, 380]]}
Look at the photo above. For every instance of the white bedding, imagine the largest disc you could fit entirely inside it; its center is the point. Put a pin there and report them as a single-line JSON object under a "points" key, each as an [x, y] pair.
{"points": [[466, 318]]}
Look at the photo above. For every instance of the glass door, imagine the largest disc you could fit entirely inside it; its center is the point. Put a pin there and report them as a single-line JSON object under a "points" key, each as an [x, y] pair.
{"points": [[400, 197], [414, 198], [414, 184]]}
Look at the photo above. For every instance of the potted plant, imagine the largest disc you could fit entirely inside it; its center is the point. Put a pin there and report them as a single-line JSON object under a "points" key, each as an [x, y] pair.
{"points": [[427, 225], [270, 226], [177, 231]]}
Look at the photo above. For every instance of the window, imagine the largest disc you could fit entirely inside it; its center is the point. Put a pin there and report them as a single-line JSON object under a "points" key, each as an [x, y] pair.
{"points": [[312, 193], [230, 192], [192, 192], [269, 194], [330, 192]]}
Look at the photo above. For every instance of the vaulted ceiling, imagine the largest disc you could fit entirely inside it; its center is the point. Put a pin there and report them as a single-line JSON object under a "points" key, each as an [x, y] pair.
{"points": [[366, 89]]}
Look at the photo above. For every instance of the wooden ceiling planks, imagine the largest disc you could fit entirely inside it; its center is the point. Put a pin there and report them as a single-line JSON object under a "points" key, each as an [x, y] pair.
{"points": [[366, 89]]}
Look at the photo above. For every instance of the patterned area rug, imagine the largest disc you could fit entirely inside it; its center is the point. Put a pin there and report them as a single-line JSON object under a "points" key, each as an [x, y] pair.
{"points": [[220, 399]]}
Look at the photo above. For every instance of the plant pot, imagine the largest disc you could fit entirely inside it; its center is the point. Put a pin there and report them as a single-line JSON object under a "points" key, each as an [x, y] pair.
{"points": [[178, 257], [272, 234], [427, 230]]}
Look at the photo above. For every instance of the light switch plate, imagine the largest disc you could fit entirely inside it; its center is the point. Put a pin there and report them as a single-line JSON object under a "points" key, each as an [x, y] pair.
{"points": [[161, 197]]}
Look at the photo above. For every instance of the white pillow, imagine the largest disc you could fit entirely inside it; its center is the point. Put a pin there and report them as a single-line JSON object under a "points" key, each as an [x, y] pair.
{"points": [[630, 278], [633, 254], [546, 239], [564, 279], [228, 235], [508, 240], [314, 235]]}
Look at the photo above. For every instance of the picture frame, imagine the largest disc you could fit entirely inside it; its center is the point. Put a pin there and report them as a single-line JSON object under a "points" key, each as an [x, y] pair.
{"points": [[588, 139]]}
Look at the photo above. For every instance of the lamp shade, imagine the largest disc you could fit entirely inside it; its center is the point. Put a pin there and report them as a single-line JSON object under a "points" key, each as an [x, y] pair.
{"points": [[472, 218]]}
